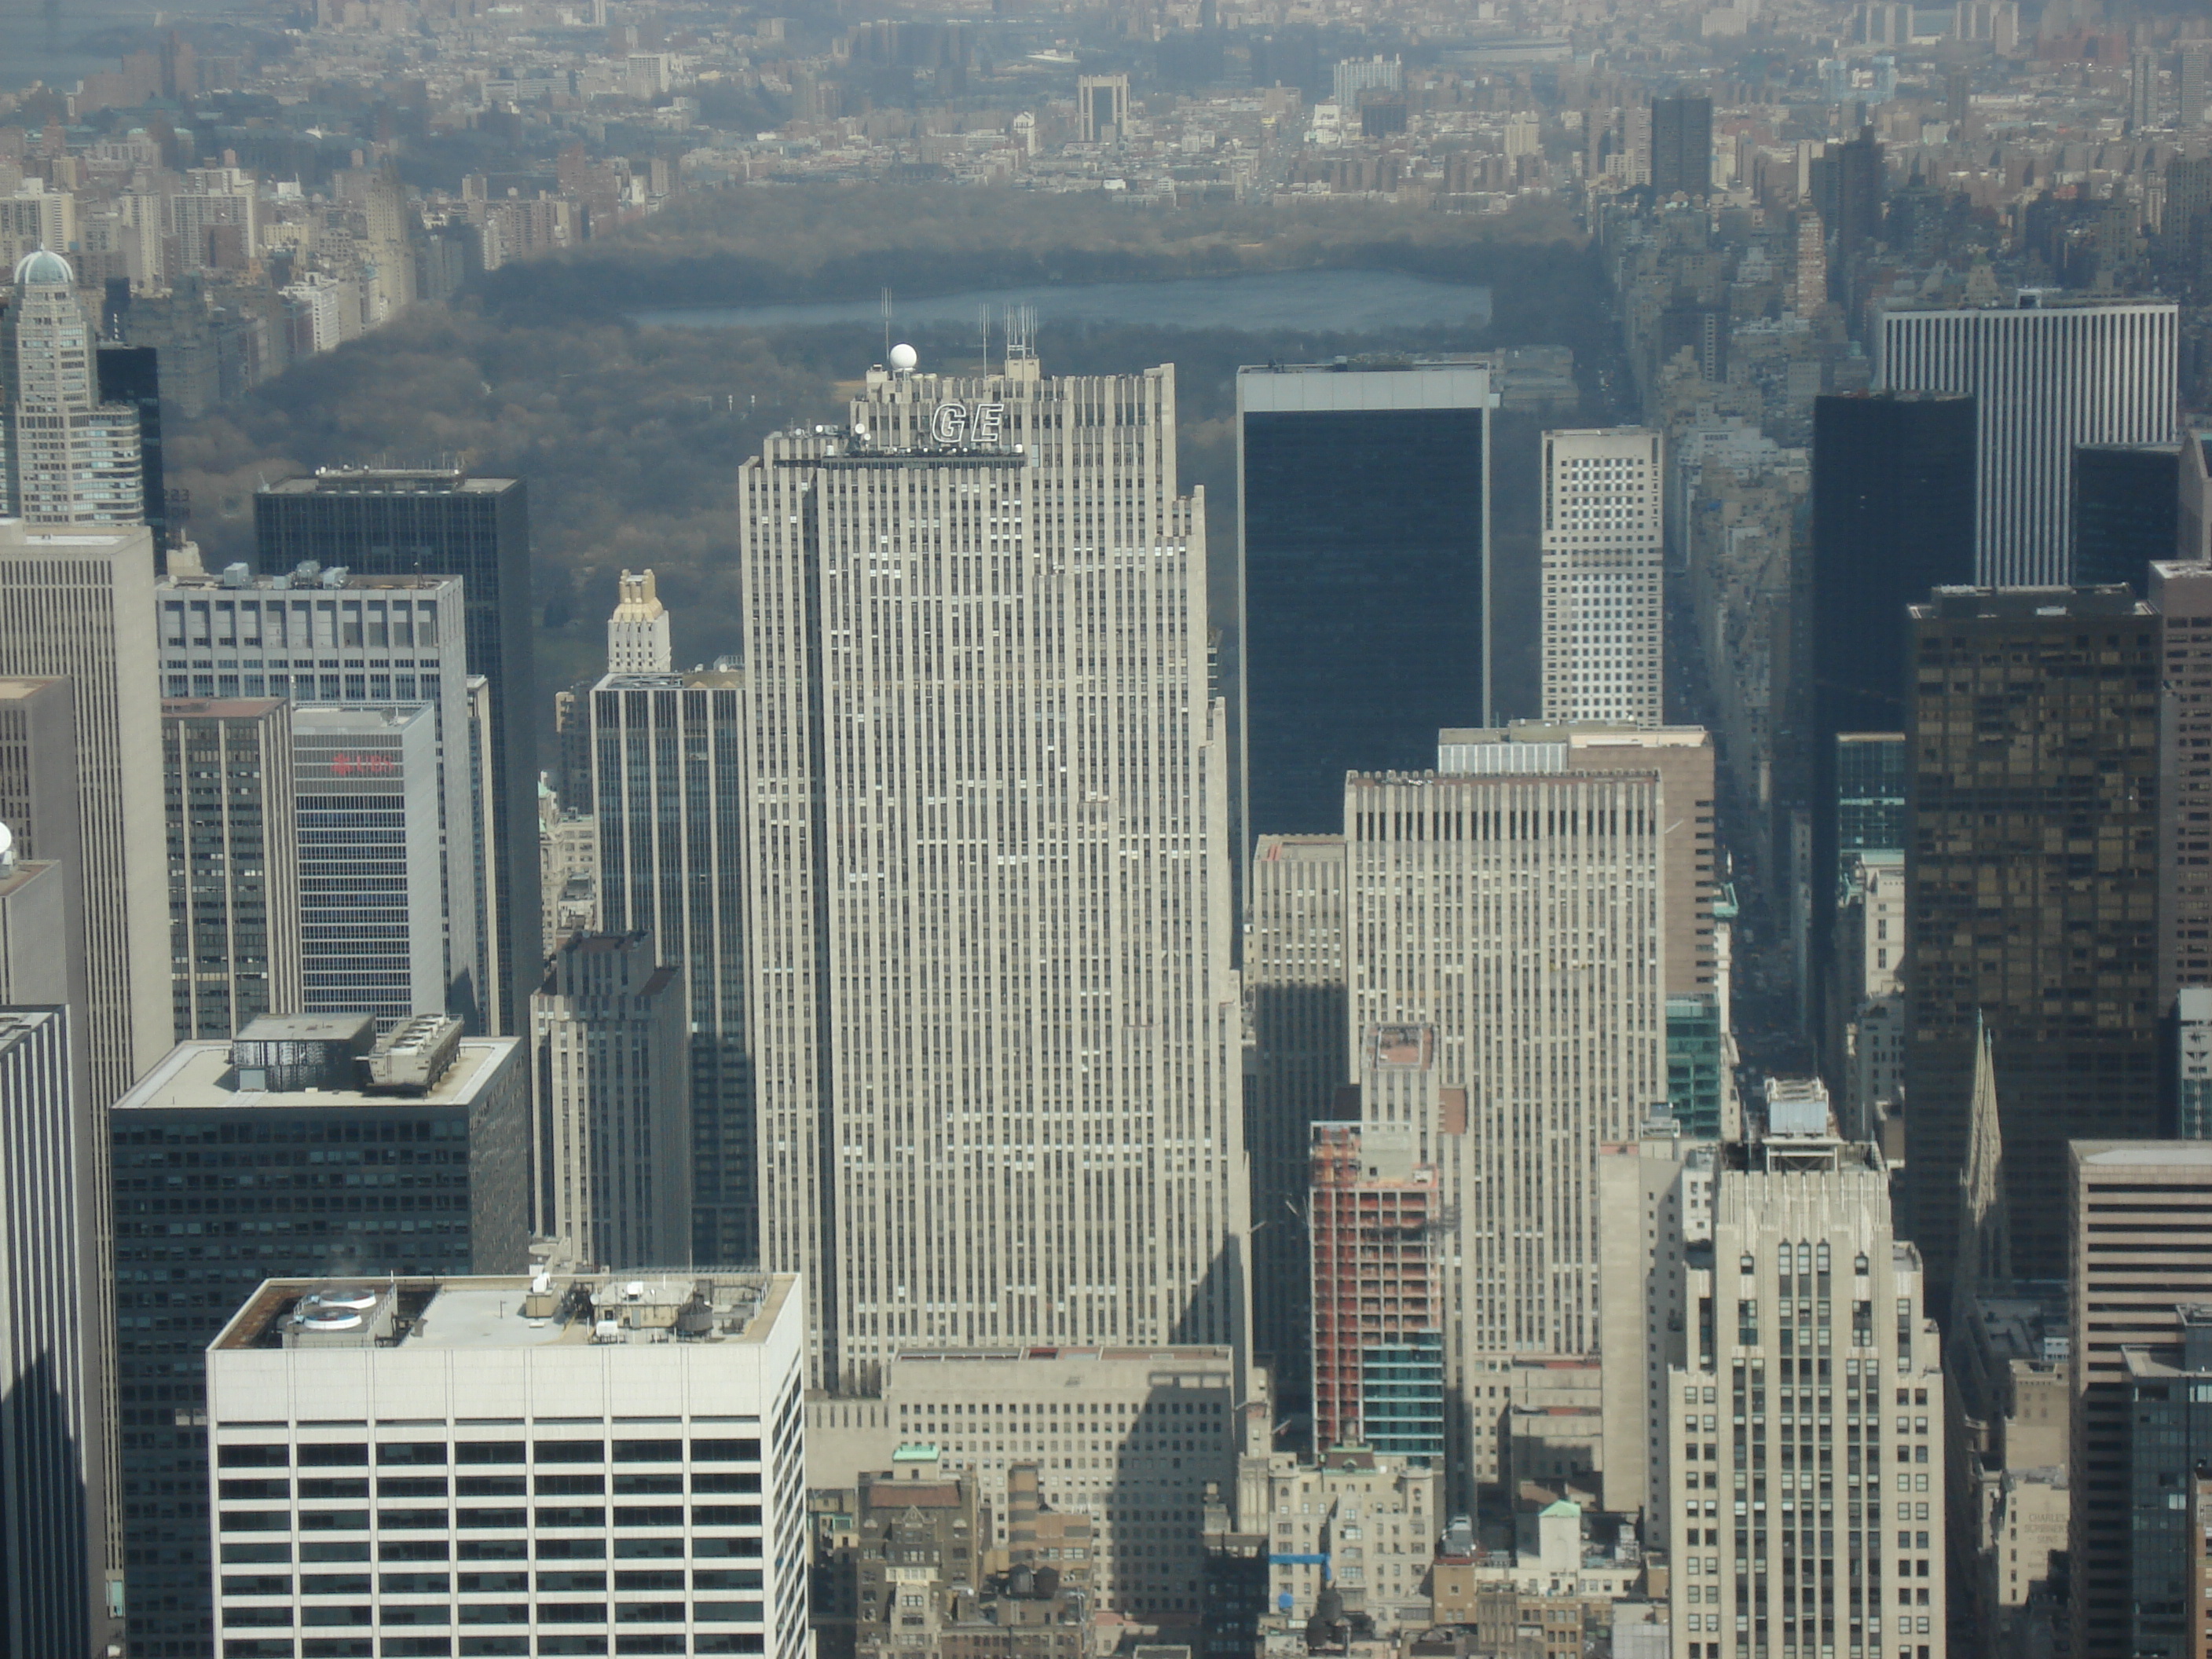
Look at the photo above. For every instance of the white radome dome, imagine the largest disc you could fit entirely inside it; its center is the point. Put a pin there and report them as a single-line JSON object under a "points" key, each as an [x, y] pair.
{"points": [[904, 358]]}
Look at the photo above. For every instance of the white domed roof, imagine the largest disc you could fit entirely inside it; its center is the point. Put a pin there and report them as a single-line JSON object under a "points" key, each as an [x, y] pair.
{"points": [[43, 266]]}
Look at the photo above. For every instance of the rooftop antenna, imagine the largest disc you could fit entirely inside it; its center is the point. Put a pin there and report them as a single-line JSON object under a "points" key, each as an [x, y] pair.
{"points": [[887, 325], [1021, 333], [983, 336]]}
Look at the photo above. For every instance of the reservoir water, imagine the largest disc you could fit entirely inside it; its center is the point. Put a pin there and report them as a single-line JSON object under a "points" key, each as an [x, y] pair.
{"points": [[1333, 301]]}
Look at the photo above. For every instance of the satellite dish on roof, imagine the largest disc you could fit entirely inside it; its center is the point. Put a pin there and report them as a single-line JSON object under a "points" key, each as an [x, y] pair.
{"points": [[904, 357]]}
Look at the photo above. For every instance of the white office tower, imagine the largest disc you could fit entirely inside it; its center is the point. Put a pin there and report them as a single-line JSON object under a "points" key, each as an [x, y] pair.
{"points": [[77, 604], [1805, 1430], [611, 1070], [1603, 549], [995, 1026], [371, 922], [2047, 374], [1514, 908], [70, 458], [589, 1431], [637, 632], [317, 636]]}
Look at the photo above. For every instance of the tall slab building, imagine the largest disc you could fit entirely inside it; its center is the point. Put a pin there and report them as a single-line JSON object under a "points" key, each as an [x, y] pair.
{"points": [[1514, 909], [1297, 1067], [433, 522], [77, 604], [311, 635], [2181, 593], [993, 1020], [1364, 611], [66, 456], [2031, 895], [2045, 375], [234, 863], [667, 771], [1604, 609]]}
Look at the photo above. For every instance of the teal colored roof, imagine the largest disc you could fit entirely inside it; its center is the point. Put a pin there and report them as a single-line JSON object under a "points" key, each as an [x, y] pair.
{"points": [[43, 266]]}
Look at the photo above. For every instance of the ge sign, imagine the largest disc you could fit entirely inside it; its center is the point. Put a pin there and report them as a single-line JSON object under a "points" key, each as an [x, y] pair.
{"points": [[954, 426]]}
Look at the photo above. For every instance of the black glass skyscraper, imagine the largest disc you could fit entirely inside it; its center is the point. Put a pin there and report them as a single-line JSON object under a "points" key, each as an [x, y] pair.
{"points": [[2127, 511], [1364, 509], [1893, 516], [377, 522], [1681, 146], [131, 374]]}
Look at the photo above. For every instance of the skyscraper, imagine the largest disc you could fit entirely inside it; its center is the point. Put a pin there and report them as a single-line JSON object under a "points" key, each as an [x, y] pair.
{"points": [[234, 864], [2181, 593], [1893, 516], [2195, 68], [2127, 511], [667, 759], [1364, 624], [70, 458], [1300, 1062], [1817, 1313], [612, 1079], [1603, 550], [77, 604], [445, 523], [312, 635], [53, 1545], [1378, 1298], [988, 929], [372, 934], [1681, 146], [1514, 905], [711, 1362], [2032, 885], [637, 632], [307, 1154], [2138, 1221], [131, 375], [2047, 374]]}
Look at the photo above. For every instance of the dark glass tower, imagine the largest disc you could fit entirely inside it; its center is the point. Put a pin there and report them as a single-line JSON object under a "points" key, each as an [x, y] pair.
{"points": [[667, 755], [1681, 146], [2031, 895], [1893, 516], [377, 522], [288, 1152], [2127, 511], [1364, 602], [131, 374]]}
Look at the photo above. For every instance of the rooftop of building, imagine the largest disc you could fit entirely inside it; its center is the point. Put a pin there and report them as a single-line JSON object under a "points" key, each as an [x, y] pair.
{"points": [[2181, 1155], [2026, 1320], [17, 1023], [1377, 363], [218, 708], [2022, 604], [305, 575], [435, 479], [199, 1077], [2030, 299], [511, 1310], [1576, 735], [1202, 1355], [724, 676]]}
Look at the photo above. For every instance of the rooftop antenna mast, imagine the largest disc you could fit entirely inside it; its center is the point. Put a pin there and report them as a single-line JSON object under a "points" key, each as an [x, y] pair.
{"points": [[1021, 333], [983, 335], [886, 307]]}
